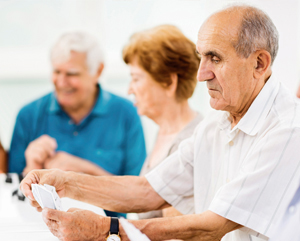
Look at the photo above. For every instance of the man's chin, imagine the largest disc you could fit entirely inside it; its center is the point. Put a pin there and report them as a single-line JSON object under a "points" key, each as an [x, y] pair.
{"points": [[216, 104], [66, 104]]}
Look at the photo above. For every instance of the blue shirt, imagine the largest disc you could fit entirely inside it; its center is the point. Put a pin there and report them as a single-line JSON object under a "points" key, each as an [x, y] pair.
{"points": [[110, 136]]}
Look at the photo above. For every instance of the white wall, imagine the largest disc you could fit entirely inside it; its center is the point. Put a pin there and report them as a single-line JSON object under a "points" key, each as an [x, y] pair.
{"points": [[29, 27]]}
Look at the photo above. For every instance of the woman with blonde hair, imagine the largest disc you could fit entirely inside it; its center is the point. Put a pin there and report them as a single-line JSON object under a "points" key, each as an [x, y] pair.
{"points": [[163, 67]]}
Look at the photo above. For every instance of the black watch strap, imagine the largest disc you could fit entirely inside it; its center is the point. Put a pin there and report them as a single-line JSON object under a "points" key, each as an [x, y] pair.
{"points": [[114, 226]]}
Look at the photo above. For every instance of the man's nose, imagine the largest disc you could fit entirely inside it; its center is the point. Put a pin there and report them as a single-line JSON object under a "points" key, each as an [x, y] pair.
{"points": [[205, 72], [60, 79]]}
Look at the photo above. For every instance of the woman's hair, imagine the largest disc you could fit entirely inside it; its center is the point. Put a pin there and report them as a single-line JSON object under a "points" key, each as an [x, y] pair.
{"points": [[162, 51]]}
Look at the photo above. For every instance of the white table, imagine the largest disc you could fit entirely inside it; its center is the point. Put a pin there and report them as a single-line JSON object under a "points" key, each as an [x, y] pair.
{"points": [[20, 221]]}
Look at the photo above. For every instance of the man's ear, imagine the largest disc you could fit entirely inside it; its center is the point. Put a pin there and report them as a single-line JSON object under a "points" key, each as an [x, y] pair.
{"points": [[99, 70], [171, 89], [262, 63]]}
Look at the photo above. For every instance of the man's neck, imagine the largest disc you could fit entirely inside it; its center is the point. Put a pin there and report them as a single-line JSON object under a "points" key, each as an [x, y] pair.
{"points": [[79, 113], [234, 118]]}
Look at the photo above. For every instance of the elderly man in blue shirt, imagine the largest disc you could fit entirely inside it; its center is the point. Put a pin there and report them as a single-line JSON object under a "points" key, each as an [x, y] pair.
{"points": [[80, 126]]}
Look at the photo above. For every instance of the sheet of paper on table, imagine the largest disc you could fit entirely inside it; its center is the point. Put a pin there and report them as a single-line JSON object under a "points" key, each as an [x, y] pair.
{"points": [[20, 221]]}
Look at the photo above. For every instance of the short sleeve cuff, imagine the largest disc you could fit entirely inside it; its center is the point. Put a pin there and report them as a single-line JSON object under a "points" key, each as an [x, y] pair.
{"points": [[253, 224]]}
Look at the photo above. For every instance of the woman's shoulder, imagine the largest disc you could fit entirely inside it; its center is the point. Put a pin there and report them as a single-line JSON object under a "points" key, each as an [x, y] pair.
{"points": [[188, 130]]}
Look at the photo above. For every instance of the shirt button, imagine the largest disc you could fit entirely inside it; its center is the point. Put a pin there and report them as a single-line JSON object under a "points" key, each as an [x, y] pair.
{"points": [[70, 122], [231, 143], [228, 180], [292, 209], [75, 133]]}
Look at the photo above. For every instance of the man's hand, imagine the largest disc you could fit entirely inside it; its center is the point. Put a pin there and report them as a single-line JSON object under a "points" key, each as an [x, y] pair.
{"points": [[76, 224], [56, 178], [67, 162], [38, 151]]}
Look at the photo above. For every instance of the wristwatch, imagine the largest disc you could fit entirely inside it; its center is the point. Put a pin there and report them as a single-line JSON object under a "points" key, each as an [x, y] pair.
{"points": [[114, 230]]}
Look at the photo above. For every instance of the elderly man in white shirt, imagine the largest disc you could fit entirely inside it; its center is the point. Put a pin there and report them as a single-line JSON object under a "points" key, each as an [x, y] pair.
{"points": [[233, 176]]}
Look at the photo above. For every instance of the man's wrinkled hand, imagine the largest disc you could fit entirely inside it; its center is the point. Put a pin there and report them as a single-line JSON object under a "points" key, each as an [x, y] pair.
{"points": [[56, 178], [76, 224], [38, 151]]}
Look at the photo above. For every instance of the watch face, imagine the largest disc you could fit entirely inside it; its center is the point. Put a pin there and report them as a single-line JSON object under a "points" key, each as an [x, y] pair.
{"points": [[113, 237]]}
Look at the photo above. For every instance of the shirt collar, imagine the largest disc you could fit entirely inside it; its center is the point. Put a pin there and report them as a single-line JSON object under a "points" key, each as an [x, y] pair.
{"points": [[101, 106], [224, 122], [54, 107], [259, 109]]}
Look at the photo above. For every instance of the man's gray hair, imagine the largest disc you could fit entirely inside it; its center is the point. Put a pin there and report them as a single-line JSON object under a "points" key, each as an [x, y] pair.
{"points": [[78, 42], [257, 31]]}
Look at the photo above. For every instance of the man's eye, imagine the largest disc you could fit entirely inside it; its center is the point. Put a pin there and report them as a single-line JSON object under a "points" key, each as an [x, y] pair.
{"points": [[215, 59], [72, 74]]}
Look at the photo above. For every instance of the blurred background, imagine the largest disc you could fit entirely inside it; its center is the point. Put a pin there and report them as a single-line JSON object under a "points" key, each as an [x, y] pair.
{"points": [[28, 28]]}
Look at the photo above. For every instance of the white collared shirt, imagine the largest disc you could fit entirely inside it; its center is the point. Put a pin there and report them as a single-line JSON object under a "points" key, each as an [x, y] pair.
{"points": [[289, 227], [246, 174]]}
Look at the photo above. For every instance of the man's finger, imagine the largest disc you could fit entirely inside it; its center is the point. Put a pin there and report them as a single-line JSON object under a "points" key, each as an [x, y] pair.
{"points": [[52, 224], [35, 154], [52, 214], [49, 151], [34, 203], [27, 192], [25, 186], [49, 144], [39, 153]]}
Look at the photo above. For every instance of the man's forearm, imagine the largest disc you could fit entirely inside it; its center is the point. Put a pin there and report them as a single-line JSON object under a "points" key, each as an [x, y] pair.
{"points": [[96, 171], [88, 167], [206, 226], [119, 194]]}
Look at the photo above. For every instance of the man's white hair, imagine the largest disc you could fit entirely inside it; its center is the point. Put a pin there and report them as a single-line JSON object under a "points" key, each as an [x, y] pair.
{"points": [[257, 31], [78, 42]]}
